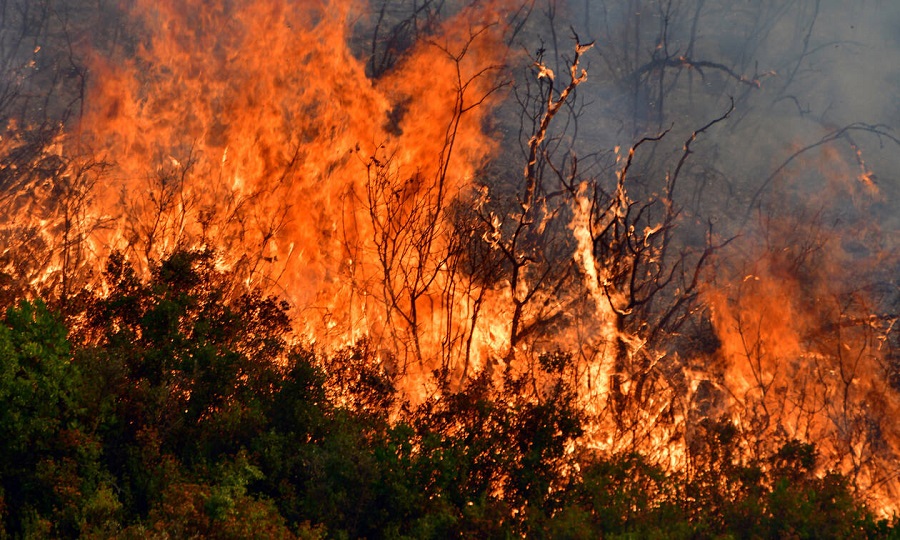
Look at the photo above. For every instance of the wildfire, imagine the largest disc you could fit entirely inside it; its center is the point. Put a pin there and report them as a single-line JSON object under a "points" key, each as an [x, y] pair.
{"points": [[261, 130]]}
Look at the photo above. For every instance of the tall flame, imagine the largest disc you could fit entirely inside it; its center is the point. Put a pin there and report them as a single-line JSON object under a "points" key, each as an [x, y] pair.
{"points": [[252, 127]]}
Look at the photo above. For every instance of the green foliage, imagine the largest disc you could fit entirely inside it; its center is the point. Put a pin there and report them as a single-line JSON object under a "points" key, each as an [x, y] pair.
{"points": [[179, 409], [36, 377], [51, 480]]}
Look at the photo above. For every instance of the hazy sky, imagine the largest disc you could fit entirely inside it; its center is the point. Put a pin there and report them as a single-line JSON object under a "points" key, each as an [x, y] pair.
{"points": [[821, 66]]}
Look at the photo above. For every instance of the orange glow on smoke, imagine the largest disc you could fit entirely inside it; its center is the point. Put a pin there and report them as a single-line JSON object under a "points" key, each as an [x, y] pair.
{"points": [[802, 346]]}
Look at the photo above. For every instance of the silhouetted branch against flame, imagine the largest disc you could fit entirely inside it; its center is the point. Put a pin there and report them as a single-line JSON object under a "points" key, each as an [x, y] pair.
{"points": [[429, 309], [466, 80]]}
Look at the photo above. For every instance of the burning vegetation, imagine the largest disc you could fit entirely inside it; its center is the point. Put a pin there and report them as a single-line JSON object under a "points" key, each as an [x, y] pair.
{"points": [[429, 269]]}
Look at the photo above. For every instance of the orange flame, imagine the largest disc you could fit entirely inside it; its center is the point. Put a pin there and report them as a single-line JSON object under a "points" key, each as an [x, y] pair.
{"points": [[254, 128]]}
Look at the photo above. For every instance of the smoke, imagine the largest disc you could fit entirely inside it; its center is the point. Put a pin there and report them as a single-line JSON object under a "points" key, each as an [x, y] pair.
{"points": [[797, 189]]}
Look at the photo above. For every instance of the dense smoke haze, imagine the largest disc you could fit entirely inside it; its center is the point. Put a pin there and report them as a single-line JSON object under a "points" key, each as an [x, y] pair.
{"points": [[691, 205], [798, 71]]}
